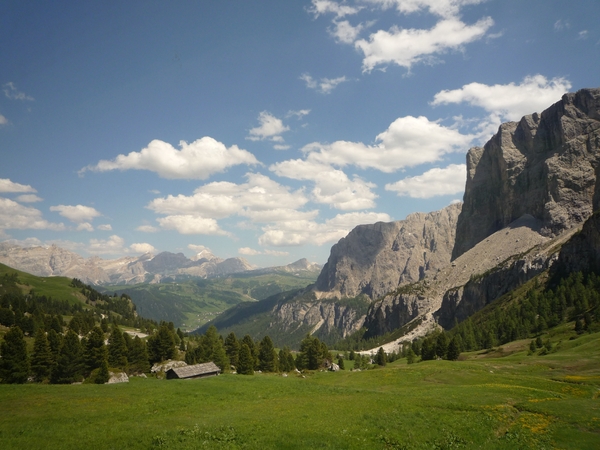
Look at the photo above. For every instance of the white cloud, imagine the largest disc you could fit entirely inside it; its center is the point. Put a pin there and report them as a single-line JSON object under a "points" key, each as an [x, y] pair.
{"points": [[442, 8], [147, 229], [270, 128], [188, 224], [105, 227], [29, 198], [324, 85], [142, 248], [223, 199], [508, 101], [276, 253], [3, 120], [327, 6], [16, 216], [299, 113], [560, 25], [344, 32], [198, 160], [113, 245], [408, 141], [301, 232], [583, 34], [77, 213], [8, 186], [281, 147], [11, 92], [447, 181], [85, 226], [406, 47], [248, 251], [332, 186]]}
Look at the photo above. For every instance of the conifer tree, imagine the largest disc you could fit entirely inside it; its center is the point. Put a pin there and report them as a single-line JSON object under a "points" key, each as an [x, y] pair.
{"points": [[380, 358], [453, 350], [246, 361], [69, 365], [14, 361], [138, 356], [55, 340], [441, 345], [410, 356], [95, 350], [341, 363], [41, 359], [117, 349], [247, 339], [232, 348], [267, 358], [161, 345], [102, 376]]}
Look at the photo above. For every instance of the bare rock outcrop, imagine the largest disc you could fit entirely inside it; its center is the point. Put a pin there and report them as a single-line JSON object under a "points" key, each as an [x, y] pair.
{"points": [[375, 259], [546, 165]]}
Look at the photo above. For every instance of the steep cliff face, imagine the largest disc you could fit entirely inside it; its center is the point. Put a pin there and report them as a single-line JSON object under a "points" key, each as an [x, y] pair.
{"points": [[582, 252], [375, 259], [545, 165]]}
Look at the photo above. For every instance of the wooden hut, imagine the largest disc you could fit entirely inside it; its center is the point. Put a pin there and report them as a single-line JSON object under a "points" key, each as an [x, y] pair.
{"points": [[208, 369]]}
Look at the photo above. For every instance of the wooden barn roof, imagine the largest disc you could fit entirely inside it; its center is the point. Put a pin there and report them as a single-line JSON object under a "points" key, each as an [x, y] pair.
{"points": [[196, 370]]}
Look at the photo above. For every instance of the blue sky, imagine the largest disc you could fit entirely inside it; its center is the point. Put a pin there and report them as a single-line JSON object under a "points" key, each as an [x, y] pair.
{"points": [[266, 129]]}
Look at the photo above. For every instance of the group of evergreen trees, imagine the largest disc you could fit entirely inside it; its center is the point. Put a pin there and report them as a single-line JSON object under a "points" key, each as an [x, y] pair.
{"points": [[67, 358]]}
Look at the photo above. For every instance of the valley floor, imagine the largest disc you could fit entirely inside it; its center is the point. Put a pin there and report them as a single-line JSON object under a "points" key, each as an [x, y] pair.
{"points": [[486, 401]]}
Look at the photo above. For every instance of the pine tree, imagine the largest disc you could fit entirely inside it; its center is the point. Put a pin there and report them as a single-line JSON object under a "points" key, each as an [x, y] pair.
{"points": [[267, 358], [161, 345], [95, 350], [246, 361], [232, 348], [69, 365], [453, 350], [441, 345], [41, 359], [341, 363], [410, 356], [138, 356], [380, 358], [117, 349], [247, 339], [102, 376], [14, 361]]}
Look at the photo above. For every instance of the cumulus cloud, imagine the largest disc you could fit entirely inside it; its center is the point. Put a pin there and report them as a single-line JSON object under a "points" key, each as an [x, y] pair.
{"points": [[560, 25], [299, 113], [324, 85], [29, 198], [16, 216], [77, 213], [270, 128], [223, 199], [11, 92], [344, 32], [197, 160], [247, 251], [9, 186], [3, 120], [189, 224], [105, 227], [113, 245], [142, 248], [408, 141], [509, 101], [406, 47], [301, 232], [319, 7], [447, 181], [442, 8], [85, 226], [147, 229], [332, 186]]}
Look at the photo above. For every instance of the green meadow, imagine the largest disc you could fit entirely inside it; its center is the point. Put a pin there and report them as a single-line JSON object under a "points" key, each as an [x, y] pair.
{"points": [[501, 399]]}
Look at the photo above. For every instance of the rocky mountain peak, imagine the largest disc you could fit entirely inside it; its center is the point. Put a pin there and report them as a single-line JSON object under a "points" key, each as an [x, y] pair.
{"points": [[545, 165]]}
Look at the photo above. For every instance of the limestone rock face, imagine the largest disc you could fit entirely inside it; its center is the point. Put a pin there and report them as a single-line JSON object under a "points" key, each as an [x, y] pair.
{"points": [[375, 259], [582, 252], [546, 165]]}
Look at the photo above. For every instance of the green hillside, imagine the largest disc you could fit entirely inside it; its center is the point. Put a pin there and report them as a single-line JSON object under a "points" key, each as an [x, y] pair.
{"points": [[59, 288], [191, 303], [484, 401]]}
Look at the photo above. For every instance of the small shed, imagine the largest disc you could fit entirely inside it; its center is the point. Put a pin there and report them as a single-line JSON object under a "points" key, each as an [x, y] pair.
{"points": [[208, 369]]}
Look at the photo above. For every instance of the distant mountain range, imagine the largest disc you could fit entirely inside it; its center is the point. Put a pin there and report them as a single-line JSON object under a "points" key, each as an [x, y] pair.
{"points": [[147, 268]]}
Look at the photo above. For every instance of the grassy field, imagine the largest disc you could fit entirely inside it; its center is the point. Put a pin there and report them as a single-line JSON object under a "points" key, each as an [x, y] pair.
{"points": [[509, 402]]}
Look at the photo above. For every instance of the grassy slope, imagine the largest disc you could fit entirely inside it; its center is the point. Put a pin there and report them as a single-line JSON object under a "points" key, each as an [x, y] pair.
{"points": [[56, 287], [517, 401], [192, 303]]}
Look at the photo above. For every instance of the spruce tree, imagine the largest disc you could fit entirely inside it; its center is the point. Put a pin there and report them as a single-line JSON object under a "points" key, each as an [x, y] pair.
{"points": [[247, 339], [102, 376], [246, 361], [232, 348], [410, 356], [161, 345], [138, 356], [14, 361], [267, 358], [341, 363], [380, 358], [69, 365], [117, 349], [95, 350], [441, 345], [453, 350], [41, 359]]}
